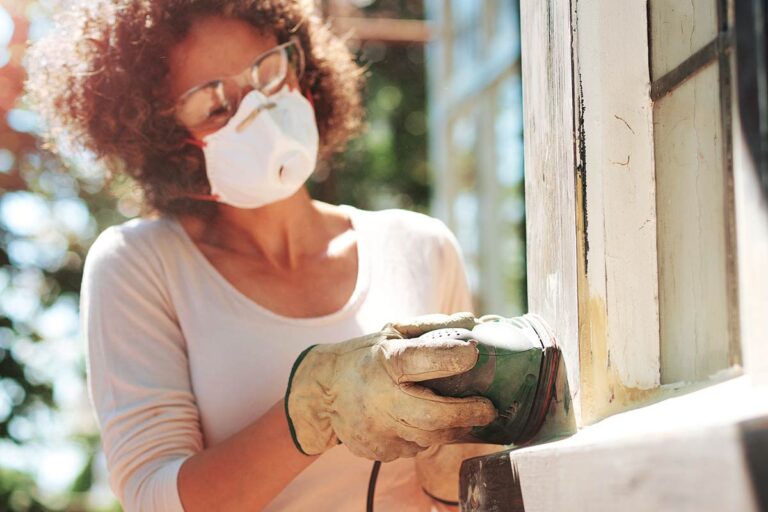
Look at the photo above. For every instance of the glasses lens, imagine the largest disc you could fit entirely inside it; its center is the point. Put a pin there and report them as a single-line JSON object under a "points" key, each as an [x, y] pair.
{"points": [[281, 66], [271, 71], [209, 107]]}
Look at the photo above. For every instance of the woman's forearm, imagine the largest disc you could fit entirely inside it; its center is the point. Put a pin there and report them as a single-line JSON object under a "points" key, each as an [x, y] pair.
{"points": [[246, 471]]}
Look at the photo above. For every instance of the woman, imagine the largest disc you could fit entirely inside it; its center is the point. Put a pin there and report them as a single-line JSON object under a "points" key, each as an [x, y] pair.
{"points": [[196, 316]]}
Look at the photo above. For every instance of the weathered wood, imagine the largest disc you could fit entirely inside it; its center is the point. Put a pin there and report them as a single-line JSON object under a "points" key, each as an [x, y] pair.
{"points": [[692, 127], [683, 454], [549, 181], [618, 310]]}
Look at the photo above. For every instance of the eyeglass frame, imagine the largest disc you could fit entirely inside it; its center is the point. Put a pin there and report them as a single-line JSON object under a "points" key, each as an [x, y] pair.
{"points": [[237, 78]]}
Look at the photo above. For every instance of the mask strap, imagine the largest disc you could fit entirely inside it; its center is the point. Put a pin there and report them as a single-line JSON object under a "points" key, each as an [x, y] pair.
{"points": [[204, 197], [200, 197], [195, 142], [308, 95]]}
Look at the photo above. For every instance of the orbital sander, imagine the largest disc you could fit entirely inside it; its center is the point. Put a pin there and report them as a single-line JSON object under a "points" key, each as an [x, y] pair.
{"points": [[516, 369]]}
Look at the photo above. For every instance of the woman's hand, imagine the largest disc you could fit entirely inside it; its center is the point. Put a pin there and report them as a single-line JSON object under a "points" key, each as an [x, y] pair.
{"points": [[364, 392]]}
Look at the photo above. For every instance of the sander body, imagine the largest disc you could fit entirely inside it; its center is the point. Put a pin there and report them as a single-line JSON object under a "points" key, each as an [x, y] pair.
{"points": [[516, 369]]}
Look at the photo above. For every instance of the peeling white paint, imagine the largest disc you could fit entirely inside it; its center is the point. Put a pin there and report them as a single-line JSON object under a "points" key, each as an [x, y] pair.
{"points": [[549, 181], [620, 183]]}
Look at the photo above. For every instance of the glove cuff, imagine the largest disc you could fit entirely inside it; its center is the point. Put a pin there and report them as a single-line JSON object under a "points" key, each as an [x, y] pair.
{"points": [[310, 428], [295, 366]]}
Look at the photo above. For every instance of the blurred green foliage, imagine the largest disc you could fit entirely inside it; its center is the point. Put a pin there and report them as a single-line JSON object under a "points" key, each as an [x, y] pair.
{"points": [[17, 492], [21, 394], [41, 267], [387, 166]]}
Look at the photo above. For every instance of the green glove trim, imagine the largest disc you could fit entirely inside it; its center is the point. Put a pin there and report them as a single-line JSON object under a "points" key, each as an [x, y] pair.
{"points": [[288, 391]]}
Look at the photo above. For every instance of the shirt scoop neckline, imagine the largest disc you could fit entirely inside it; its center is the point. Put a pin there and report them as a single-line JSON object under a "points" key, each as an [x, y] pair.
{"points": [[358, 294]]}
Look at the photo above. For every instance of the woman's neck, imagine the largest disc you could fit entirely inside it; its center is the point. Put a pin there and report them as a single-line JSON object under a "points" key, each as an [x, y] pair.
{"points": [[281, 233]]}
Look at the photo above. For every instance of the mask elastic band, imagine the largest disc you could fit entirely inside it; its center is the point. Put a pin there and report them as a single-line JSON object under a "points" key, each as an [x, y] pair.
{"points": [[204, 197], [308, 95], [195, 142]]}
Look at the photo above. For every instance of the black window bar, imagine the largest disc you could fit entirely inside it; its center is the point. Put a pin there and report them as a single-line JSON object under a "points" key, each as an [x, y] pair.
{"points": [[717, 49]]}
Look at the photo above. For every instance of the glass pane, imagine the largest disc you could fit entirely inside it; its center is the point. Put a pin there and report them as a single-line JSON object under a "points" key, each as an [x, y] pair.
{"points": [[507, 26], [691, 222], [480, 148], [467, 31], [510, 210], [679, 29], [465, 201]]}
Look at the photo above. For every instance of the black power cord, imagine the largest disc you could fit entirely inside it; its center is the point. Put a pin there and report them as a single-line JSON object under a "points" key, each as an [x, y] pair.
{"points": [[372, 489], [372, 485]]}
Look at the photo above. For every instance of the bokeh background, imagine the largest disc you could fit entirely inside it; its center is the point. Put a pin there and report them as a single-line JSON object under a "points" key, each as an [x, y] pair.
{"points": [[444, 137]]}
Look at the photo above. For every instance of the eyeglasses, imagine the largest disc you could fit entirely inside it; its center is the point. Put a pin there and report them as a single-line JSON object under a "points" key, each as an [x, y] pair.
{"points": [[209, 106]]}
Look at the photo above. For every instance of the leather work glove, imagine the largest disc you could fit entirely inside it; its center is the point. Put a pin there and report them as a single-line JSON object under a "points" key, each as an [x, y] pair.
{"points": [[364, 392]]}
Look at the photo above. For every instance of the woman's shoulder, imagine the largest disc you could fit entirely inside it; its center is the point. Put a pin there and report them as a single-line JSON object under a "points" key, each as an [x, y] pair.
{"points": [[136, 240], [404, 225], [417, 237]]}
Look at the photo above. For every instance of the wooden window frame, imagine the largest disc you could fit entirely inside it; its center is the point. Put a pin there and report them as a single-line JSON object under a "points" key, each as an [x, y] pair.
{"points": [[687, 447], [592, 249]]}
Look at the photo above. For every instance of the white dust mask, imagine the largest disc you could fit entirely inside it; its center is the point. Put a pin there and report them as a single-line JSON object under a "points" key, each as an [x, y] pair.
{"points": [[266, 151]]}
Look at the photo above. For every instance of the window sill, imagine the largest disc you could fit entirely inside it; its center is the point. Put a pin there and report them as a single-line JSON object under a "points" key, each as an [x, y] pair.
{"points": [[686, 453]]}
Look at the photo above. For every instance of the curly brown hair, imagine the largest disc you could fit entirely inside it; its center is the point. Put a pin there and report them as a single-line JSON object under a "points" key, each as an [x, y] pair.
{"points": [[99, 80]]}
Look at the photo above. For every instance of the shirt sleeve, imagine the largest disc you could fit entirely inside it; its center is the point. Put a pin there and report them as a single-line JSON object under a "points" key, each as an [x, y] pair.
{"points": [[456, 296], [137, 373]]}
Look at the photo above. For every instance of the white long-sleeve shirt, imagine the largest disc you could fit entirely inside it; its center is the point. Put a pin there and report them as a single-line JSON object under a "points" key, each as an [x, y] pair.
{"points": [[178, 359]]}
